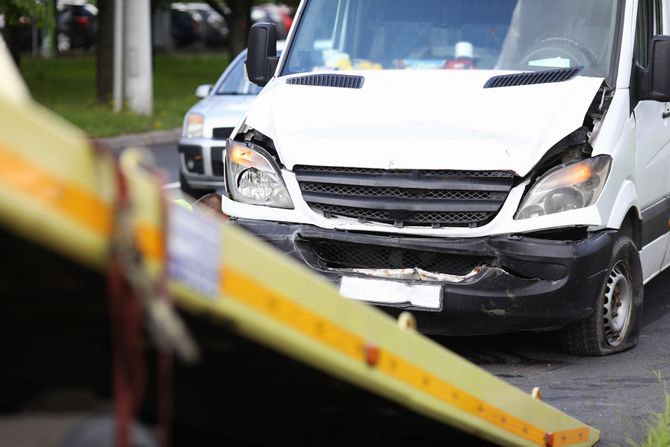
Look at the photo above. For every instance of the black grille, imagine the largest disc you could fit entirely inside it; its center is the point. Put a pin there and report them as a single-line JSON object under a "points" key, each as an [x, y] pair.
{"points": [[424, 173], [539, 77], [457, 219], [338, 255], [350, 190], [217, 161], [434, 198], [328, 80], [192, 158]]}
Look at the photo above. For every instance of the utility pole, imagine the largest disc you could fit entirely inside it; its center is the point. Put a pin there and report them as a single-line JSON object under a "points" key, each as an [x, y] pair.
{"points": [[133, 73], [119, 39]]}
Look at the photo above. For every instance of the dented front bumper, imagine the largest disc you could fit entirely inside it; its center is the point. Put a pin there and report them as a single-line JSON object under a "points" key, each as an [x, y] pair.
{"points": [[505, 283]]}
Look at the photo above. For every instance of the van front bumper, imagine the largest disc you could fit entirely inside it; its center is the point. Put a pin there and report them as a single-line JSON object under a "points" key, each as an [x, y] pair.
{"points": [[527, 283]]}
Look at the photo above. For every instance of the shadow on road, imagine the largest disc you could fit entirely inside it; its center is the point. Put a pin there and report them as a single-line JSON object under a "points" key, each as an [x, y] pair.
{"points": [[544, 348]]}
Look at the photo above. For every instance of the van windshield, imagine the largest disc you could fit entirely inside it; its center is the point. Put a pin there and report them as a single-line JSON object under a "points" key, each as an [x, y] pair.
{"points": [[455, 34]]}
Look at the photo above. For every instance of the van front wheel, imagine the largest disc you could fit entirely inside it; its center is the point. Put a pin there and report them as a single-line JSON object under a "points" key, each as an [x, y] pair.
{"points": [[615, 323]]}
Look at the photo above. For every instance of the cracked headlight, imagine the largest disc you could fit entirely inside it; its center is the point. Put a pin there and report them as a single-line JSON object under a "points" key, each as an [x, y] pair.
{"points": [[254, 178], [568, 187], [194, 125]]}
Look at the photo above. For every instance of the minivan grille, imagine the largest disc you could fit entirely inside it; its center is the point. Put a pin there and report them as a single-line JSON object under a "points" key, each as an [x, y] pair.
{"points": [[341, 255], [430, 198]]}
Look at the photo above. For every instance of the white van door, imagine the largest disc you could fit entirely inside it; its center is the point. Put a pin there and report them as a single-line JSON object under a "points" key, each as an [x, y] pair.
{"points": [[652, 147]]}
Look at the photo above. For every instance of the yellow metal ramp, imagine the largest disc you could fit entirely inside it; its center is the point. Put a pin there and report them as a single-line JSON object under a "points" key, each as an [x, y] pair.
{"points": [[60, 194]]}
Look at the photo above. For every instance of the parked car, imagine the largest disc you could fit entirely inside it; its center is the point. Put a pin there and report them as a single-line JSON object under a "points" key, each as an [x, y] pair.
{"points": [[491, 168], [280, 15], [208, 125], [212, 26], [77, 25], [184, 28]]}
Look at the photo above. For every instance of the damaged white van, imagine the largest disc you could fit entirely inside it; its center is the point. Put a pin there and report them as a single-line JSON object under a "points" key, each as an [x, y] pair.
{"points": [[488, 165]]}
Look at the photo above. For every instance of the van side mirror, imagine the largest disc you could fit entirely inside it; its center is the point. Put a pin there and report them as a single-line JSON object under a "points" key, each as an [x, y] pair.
{"points": [[659, 76], [262, 57]]}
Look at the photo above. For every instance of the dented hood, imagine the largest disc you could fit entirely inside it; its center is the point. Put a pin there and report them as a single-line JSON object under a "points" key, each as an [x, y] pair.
{"points": [[421, 120]]}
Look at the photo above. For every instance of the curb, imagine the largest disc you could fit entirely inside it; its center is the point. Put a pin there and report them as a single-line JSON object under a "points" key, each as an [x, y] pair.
{"points": [[141, 139]]}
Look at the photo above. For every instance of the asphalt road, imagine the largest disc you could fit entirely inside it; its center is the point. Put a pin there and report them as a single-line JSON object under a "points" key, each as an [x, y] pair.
{"points": [[615, 394], [167, 159]]}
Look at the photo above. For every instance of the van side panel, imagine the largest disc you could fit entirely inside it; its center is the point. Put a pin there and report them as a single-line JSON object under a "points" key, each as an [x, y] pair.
{"points": [[652, 257]]}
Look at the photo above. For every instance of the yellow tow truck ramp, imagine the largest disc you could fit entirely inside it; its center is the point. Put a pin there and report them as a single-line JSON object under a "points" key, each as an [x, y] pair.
{"points": [[275, 354]]}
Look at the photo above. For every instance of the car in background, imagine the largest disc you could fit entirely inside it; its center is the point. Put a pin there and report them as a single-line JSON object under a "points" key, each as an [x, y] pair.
{"points": [[184, 28], [209, 123], [213, 29], [77, 25], [280, 15]]}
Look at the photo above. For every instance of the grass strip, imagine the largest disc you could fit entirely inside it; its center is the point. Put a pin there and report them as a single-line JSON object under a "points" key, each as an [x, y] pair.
{"points": [[658, 424], [66, 85]]}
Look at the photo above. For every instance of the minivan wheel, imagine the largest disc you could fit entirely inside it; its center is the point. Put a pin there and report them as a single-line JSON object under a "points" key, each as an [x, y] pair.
{"points": [[64, 43], [615, 324]]}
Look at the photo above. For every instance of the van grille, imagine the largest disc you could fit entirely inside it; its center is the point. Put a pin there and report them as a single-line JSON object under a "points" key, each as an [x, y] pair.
{"points": [[338, 255], [434, 198]]}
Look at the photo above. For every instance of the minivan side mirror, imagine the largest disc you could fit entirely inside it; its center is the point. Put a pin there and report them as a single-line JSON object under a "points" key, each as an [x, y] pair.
{"points": [[262, 57], [659, 75], [203, 91]]}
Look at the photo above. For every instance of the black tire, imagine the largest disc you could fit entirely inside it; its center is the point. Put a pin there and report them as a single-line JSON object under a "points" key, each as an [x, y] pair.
{"points": [[189, 190], [601, 334]]}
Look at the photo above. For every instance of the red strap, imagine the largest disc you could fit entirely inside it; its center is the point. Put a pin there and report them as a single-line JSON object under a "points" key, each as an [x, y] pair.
{"points": [[129, 374]]}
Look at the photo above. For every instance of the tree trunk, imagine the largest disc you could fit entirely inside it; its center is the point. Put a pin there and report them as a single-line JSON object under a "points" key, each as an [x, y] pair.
{"points": [[13, 35], [53, 30], [240, 22], [105, 52]]}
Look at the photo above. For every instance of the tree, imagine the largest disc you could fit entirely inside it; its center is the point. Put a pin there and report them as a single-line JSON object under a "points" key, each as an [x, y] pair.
{"points": [[18, 14], [104, 54], [239, 21]]}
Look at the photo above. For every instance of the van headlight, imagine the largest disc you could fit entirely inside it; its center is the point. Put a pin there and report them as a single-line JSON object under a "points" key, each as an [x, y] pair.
{"points": [[194, 125], [254, 178], [568, 187]]}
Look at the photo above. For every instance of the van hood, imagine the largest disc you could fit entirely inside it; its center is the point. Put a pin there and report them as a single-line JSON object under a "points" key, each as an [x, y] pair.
{"points": [[421, 120]]}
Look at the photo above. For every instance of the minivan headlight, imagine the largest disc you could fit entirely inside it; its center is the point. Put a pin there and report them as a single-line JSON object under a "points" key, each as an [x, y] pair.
{"points": [[568, 187], [194, 126], [254, 178]]}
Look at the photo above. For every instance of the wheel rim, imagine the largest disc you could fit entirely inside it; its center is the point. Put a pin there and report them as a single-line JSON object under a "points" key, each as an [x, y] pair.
{"points": [[618, 304], [64, 43]]}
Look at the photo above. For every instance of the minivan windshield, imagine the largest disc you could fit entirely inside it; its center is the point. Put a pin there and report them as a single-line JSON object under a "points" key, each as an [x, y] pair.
{"points": [[235, 83], [455, 34]]}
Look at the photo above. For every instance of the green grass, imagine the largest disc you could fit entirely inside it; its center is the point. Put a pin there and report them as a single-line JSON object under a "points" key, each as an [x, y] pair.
{"points": [[67, 86], [658, 425]]}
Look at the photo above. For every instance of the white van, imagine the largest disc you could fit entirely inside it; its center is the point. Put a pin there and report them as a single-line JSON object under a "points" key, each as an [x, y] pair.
{"points": [[488, 165]]}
